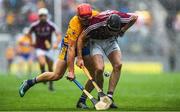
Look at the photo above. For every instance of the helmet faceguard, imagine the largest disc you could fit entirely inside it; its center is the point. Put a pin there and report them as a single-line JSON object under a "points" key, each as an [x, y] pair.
{"points": [[114, 23]]}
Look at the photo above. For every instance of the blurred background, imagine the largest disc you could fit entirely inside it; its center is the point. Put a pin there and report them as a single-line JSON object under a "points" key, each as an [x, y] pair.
{"points": [[151, 45]]}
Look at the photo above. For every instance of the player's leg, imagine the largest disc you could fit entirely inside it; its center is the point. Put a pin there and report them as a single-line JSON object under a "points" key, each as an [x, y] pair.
{"points": [[99, 69], [61, 66], [50, 69], [114, 55], [88, 86], [60, 69], [89, 64], [9, 65], [21, 65], [41, 56], [42, 62], [96, 52], [96, 68], [30, 62]]}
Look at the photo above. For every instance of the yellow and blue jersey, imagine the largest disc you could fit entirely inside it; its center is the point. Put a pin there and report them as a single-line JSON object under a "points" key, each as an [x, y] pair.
{"points": [[74, 30]]}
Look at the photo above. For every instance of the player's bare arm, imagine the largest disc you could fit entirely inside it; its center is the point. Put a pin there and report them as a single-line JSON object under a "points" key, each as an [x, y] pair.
{"points": [[71, 58], [128, 25], [80, 45], [59, 38]]}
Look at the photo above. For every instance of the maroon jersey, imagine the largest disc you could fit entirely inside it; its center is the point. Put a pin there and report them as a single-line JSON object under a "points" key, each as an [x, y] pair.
{"points": [[97, 28], [43, 33]]}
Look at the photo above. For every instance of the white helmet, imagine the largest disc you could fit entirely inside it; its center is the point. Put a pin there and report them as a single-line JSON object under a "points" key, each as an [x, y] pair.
{"points": [[25, 30], [43, 11]]}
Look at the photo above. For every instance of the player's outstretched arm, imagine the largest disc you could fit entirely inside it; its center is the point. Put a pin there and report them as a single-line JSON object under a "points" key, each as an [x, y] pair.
{"points": [[71, 58], [80, 45], [59, 38], [129, 24]]}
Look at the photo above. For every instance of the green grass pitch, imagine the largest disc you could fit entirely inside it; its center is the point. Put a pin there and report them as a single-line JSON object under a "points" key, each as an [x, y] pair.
{"points": [[134, 92]]}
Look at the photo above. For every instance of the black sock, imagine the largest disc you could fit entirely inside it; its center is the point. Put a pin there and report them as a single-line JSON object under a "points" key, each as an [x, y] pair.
{"points": [[83, 98], [42, 67], [110, 94], [31, 82]]}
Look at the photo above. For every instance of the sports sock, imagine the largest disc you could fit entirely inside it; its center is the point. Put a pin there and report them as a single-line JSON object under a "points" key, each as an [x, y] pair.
{"points": [[110, 94], [83, 98], [31, 82], [42, 67]]}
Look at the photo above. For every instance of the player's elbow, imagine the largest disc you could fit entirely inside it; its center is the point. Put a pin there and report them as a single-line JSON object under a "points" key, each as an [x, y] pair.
{"points": [[135, 17]]}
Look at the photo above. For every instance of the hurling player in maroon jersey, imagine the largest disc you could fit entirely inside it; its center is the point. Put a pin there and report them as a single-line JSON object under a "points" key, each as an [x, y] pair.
{"points": [[102, 33], [43, 30]]}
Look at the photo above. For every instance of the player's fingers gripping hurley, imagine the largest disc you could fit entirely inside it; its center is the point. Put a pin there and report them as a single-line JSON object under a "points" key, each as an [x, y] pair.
{"points": [[80, 63], [104, 98]]}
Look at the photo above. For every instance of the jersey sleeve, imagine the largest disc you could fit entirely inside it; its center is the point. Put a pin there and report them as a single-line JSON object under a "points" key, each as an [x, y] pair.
{"points": [[125, 18], [54, 27], [92, 28], [30, 29]]}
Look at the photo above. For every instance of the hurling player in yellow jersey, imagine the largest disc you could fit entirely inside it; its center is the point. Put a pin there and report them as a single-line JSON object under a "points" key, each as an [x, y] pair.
{"points": [[67, 52], [24, 52]]}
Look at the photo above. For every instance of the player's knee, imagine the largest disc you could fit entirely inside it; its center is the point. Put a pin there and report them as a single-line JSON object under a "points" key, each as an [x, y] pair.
{"points": [[56, 77], [117, 67], [99, 70]]}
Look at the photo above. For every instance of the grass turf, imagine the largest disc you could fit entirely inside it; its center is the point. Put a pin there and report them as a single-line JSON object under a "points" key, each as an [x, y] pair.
{"points": [[134, 92]]}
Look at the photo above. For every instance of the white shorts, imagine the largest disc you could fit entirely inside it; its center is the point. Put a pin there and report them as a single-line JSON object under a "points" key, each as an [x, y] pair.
{"points": [[42, 52], [101, 47]]}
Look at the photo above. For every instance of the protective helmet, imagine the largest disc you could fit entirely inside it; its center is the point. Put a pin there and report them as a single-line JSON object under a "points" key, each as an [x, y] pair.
{"points": [[84, 10], [25, 30], [43, 11], [114, 22]]}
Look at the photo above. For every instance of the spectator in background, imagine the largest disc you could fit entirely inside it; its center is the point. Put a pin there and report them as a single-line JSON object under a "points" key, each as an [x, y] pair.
{"points": [[20, 13], [67, 13], [32, 17], [10, 21]]}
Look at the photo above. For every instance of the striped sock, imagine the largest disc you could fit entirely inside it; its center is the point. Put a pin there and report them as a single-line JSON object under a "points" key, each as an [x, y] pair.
{"points": [[110, 94], [31, 82], [83, 98]]}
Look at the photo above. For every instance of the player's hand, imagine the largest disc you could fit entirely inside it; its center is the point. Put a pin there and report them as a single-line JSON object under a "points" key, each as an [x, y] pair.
{"points": [[80, 62], [70, 76], [55, 46]]}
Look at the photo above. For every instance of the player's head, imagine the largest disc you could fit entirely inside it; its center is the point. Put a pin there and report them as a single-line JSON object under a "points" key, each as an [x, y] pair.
{"points": [[84, 12], [114, 23], [43, 14]]}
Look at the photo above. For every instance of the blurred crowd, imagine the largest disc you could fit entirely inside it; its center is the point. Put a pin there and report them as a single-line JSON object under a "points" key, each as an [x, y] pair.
{"points": [[17, 14]]}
